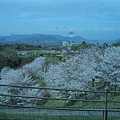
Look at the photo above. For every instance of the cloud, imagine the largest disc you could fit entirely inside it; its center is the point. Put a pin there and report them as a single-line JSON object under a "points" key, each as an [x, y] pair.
{"points": [[80, 16], [61, 7]]}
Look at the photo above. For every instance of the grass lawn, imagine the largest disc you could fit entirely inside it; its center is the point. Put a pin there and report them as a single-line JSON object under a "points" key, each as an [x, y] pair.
{"points": [[42, 117], [46, 117]]}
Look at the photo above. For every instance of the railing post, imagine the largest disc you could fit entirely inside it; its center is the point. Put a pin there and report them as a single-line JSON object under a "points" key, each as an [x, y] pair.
{"points": [[115, 86], [105, 106]]}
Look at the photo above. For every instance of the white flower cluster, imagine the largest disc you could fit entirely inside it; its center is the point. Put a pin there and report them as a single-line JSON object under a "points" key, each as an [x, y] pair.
{"points": [[22, 77], [75, 73], [78, 72]]}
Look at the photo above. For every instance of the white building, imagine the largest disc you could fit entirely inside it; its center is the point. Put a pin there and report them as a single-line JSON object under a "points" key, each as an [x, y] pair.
{"points": [[67, 44]]}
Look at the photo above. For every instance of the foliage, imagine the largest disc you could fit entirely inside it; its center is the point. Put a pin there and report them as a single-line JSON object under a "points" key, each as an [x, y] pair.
{"points": [[20, 46], [83, 45], [8, 57], [51, 60]]}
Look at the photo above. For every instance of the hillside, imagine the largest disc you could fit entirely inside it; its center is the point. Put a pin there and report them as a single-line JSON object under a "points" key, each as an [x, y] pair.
{"points": [[41, 39]]}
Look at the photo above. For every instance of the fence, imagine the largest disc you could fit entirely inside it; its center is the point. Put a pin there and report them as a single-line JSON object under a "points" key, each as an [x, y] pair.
{"points": [[67, 107]]}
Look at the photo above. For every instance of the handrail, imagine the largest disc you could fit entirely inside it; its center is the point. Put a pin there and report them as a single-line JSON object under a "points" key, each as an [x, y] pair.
{"points": [[48, 98], [48, 88], [105, 100]]}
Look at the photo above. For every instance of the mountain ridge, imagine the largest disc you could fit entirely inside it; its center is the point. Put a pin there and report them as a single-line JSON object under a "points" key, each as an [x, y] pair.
{"points": [[42, 39]]}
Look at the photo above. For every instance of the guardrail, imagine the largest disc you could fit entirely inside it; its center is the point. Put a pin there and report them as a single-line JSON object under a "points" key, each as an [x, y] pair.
{"points": [[105, 101]]}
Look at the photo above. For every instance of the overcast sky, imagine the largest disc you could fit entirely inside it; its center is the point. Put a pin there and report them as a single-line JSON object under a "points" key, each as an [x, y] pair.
{"points": [[91, 19]]}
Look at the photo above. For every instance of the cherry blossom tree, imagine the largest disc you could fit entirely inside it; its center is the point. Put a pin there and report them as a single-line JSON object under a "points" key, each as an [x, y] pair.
{"points": [[109, 65], [22, 77], [36, 68], [4, 70], [76, 73]]}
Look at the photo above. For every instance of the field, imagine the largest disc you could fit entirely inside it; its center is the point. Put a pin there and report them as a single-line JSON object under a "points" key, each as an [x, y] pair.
{"points": [[39, 117], [47, 117]]}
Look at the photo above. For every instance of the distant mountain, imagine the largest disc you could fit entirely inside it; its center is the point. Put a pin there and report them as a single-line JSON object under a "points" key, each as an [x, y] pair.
{"points": [[12, 38], [77, 39], [42, 39], [15, 37]]}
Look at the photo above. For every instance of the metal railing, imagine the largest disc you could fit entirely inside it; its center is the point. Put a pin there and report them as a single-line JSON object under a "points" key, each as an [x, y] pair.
{"points": [[104, 112]]}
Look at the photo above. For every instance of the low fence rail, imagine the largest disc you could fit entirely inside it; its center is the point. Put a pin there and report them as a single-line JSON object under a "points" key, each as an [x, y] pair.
{"points": [[105, 113]]}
